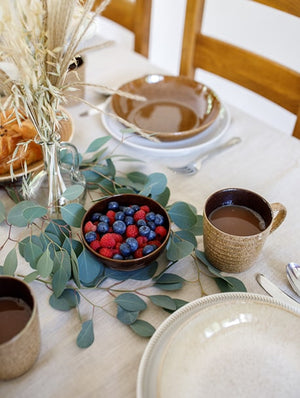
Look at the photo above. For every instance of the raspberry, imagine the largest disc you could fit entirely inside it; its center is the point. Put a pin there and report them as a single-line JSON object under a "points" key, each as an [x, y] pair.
{"points": [[106, 252], [95, 244], [161, 232], [117, 237], [145, 208], [108, 241], [132, 231], [142, 240], [138, 253], [89, 226], [154, 242], [139, 215], [111, 215]]}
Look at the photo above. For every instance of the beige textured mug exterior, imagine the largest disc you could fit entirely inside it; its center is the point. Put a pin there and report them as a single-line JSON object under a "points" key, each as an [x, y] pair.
{"points": [[18, 354], [232, 253]]}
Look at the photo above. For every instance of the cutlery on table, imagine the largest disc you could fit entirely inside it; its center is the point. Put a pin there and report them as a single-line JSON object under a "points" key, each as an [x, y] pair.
{"points": [[293, 275], [194, 167], [274, 290]]}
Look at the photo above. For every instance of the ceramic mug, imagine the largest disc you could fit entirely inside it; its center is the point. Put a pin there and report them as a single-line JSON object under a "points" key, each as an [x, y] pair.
{"points": [[235, 252], [20, 330]]}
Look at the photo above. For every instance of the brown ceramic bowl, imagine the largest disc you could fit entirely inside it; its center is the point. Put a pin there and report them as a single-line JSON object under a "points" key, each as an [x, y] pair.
{"points": [[127, 200], [176, 107]]}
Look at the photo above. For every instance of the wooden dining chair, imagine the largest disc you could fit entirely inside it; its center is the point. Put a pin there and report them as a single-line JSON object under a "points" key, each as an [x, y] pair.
{"points": [[263, 76], [134, 15]]}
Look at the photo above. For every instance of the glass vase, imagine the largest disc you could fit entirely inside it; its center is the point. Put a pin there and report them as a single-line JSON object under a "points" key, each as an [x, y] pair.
{"points": [[61, 171]]}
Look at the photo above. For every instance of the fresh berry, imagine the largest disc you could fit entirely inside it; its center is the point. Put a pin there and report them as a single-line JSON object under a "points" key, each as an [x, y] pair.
{"points": [[120, 215], [148, 249], [102, 227], [95, 217], [159, 219], [104, 219], [119, 227], [117, 237], [161, 231], [139, 215], [129, 211], [113, 206], [142, 241], [132, 231], [106, 252], [133, 244], [138, 253], [150, 216], [152, 235], [151, 225], [95, 244], [135, 207], [118, 256], [111, 216], [145, 208], [90, 236], [108, 241], [141, 222], [89, 226], [129, 220], [144, 230], [156, 243], [125, 249]]}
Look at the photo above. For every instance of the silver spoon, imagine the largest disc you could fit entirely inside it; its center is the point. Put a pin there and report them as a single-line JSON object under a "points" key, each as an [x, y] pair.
{"points": [[195, 166], [293, 275]]}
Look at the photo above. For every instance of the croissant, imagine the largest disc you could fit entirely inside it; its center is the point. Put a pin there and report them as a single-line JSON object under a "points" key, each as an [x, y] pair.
{"points": [[11, 134]]}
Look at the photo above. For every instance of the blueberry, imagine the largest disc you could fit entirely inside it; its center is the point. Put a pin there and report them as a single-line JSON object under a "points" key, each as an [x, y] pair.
{"points": [[135, 207], [104, 219], [128, 211], [129, 220], [125, 249], [95, 217], [148, 249], [133, 244], [159, 219], [90, 236], [118, 256], [144, 230], [119, 227], [113, 206], [150, 216], [102, 227], [151, 225], [152, 235], [120, 215], [140, 222]]}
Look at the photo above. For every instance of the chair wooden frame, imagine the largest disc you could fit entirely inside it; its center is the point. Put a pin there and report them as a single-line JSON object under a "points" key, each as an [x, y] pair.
{"points": [[265, 77], [134, 16]]}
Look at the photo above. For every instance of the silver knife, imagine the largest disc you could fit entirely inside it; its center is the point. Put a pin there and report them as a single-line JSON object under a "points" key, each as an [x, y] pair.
{"points": [[274, 291]]}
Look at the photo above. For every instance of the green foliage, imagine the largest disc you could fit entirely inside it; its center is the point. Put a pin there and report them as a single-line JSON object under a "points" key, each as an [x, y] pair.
{"points": [[63, 264]]}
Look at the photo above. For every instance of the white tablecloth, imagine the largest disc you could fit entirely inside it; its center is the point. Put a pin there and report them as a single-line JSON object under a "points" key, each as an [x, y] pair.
{"points": [[266, 161]]}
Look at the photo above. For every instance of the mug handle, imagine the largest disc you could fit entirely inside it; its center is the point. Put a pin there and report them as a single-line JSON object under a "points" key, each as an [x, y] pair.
{"points": [[279, 214]]}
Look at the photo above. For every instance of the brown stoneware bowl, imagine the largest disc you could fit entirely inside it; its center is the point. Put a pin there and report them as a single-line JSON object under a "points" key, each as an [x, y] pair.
{"points": [[128, 200], [175, 107]]}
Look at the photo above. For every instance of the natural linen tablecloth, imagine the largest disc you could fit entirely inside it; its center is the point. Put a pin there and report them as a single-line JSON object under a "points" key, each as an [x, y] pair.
{"points": [[266, 161]]}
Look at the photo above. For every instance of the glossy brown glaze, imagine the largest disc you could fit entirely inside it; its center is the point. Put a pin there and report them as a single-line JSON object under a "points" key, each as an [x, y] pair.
{"points": [[175, 108]]}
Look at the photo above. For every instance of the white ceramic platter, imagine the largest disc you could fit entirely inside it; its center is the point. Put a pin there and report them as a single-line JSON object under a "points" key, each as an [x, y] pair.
{"points": [[224, 345], [199, 142]]}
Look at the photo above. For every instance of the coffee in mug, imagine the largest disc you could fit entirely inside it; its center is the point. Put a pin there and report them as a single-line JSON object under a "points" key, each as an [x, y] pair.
{"points": [[236, 224]]}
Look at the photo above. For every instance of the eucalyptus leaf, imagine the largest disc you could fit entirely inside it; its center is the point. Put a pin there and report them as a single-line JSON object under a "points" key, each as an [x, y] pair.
{"points": [[73, 192], [197, 229], [157, 183], [169, 286], [10, 263], [45, 264], [33, 212], [182, 215], [142, 328], [163, 198], [73, 244], [74, 268], [72, 214], [85, 337], [69, 299], [2, 212], [89, 267], [179, 303], [16, 214], [31, 277], [230, 284], [62, 275], [58, 228], [178, 250], [169, 278], [130, 302], [29, 239], [32, 253], [186, 236], [97, 144], [138, 177], [127, 317], [163, 301], [140, 274]]}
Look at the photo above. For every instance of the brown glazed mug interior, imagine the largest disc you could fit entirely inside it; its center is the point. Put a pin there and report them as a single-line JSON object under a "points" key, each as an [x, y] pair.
{"points": [[240, 197], [18, 354]]}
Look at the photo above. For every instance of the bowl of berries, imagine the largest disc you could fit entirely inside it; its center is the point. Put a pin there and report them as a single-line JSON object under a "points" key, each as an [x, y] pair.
{"points": [[126, 231]]}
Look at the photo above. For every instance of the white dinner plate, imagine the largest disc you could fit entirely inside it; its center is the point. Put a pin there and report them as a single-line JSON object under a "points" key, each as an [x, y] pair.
{"points": [[224, 345], [199, 142]]}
